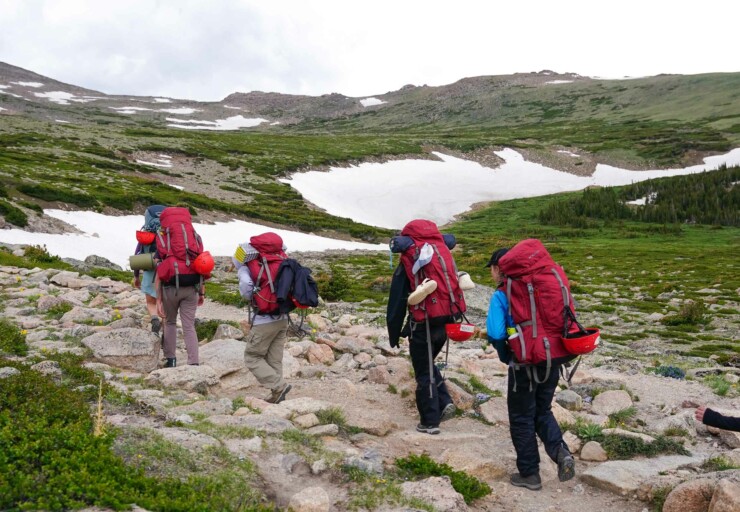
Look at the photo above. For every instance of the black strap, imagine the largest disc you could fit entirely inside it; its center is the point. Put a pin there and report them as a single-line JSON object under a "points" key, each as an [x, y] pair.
{"points": [[431, 357]]}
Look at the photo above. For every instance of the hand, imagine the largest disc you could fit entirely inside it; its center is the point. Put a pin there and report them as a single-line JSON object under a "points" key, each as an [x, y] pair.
{"points": [[137, 282], [201, 299], [699, 413], [160, 308]]}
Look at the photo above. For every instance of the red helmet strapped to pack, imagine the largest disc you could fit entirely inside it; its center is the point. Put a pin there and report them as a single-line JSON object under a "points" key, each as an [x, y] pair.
{"points": [[204, 264], [145, 237], [460, 332], [582, 341]]}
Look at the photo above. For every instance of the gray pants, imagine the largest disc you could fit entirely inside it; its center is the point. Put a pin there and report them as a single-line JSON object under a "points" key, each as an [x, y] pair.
{"points": [[264, 352], [186, 302]]}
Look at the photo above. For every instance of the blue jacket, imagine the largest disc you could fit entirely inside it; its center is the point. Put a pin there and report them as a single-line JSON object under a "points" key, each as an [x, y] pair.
{"points": [[496, 323]]}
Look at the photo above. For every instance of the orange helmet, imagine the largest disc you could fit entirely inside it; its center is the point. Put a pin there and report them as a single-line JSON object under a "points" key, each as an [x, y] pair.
{"points": [[145, 237], [460, 332], [203, 263], [582, 342]]}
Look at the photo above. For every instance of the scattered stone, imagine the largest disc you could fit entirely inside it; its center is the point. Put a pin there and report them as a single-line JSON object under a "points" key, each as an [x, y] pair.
{"points": [[261, 422], [8, 371], [609, 402], [495, 411], [242, 448], [310, 499], [306, 421], [626, 433], [625, 476], [592, 451], [226, 331], [320, 354], [461, 398], [371, 461], [573, 441], [129, 348], [379, 375], [83, 315], [691, 496], [726, 497], [187, 378], [562, 416], [323, 430], [570, 400], [436, 490]]}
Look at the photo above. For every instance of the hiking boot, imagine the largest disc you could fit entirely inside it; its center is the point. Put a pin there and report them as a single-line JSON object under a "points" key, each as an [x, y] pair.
{"points": [[278, 395], [156, 324], [448, 412], [427, 430], [171, 362], [566, 465], [531, 482], [425, 288]]}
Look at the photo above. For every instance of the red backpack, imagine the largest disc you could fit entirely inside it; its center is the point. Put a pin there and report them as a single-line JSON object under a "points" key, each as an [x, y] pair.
{"points": [[539, 300], [264, 272], [448, 299], [178, 245]]}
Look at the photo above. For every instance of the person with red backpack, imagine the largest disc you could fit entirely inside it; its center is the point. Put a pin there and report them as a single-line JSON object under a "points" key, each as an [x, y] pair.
{"points": [[425, 296], [182, 267], [258, 264], [517, 326]]}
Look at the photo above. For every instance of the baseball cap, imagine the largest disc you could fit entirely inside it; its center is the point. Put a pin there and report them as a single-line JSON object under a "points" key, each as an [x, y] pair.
{"points": [[496, 256]]}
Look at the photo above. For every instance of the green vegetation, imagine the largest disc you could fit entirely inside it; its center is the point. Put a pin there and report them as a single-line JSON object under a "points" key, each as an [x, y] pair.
{"points": [[51, 460], [619, 447], [205, 329], [12, 339], [718, 464], [334, 285], [422, 466]]}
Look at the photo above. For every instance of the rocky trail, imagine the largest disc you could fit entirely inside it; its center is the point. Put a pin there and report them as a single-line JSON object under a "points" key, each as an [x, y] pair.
{"points": [[352, 407]]}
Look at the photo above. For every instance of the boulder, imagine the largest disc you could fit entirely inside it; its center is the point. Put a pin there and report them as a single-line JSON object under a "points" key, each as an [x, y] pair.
{"points": [[188, 378], [229, 332], [323, 430], [129, 348], [726, 497], [495, 411], [437, 490], [609, 402], [310, 499], [320, 354], [461, 398], [691, 496], [625, 476], [378, 375], [592, 451], [570, 400], [354, 345], [225, 356]]}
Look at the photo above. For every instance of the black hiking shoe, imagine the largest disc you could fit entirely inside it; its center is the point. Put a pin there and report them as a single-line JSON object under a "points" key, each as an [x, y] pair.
{"points": [[428, 430], [531, 482], [448, 412], [170, 363], [156, 324], [566, 465]]}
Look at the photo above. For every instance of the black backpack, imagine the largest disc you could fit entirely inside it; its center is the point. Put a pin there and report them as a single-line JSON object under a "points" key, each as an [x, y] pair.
{"points": [[295, 287]]}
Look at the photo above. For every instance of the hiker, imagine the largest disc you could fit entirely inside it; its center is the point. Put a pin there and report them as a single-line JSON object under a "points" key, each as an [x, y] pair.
{"points": [[714, 419], [531, 389], [182, 268], [257, 265], [146, 245], [422, 314]]}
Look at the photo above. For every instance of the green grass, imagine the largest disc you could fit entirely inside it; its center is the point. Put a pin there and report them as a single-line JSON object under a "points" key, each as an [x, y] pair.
{"points": [[422, 466], [12, 339]]}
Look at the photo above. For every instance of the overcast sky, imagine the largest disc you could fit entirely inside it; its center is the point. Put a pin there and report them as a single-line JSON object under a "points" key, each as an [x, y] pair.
{"points": [[207, 49]]}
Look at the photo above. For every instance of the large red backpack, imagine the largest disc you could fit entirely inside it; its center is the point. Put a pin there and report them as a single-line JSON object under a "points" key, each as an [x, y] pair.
{"points": [[539, 299], [178, 245], [264, 272], [448, 299]]}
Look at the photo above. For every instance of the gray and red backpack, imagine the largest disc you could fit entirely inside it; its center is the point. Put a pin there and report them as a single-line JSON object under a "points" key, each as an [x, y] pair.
{"points": [[178, 245]]}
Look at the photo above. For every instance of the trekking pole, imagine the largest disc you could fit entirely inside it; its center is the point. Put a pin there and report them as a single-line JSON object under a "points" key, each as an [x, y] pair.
{"points": [[432, 383]]}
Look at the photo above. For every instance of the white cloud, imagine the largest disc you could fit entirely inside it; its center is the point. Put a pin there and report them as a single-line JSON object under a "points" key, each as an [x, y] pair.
{"points": [[206, 50]]}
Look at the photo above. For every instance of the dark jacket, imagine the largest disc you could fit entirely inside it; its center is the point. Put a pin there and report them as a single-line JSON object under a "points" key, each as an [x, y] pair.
{"points": [[397, 305], [715, 419], [293, 279]]}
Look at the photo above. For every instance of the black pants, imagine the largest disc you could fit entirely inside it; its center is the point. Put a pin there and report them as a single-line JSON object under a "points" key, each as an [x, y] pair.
{"points": [[430, 407], [530, 413]]}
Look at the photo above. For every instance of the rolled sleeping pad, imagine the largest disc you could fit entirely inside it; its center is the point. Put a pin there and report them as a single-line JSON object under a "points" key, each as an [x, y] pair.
{"points": [[144, 261]]}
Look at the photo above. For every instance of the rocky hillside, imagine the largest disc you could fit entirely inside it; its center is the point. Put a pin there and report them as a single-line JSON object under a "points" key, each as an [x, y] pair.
{"points": [[335, 442]]}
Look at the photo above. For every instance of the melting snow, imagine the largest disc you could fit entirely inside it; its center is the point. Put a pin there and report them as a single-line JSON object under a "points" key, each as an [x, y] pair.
{"points": [[106, 236], [180, 110], [164, 164], [370, 102], [574, 155], [35, 85], [178, 187], [162, 100], [230, 123], [4, 86], [61, 121], [233, 108], [392, 193], [560, 82], [1, 109], [129, 110], [63, 98]]}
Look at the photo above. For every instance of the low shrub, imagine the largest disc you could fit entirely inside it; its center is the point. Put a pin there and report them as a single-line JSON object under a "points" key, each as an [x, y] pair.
{"points": [[620, 447], [423, 466], [691, 313], [670, 371], [12, 339]]}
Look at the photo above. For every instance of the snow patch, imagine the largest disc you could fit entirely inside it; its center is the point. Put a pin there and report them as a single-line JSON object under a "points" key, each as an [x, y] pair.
{"points": [[232, 108], [107, 236], [162, 100], [129, 110], [230, 123], [178, 187], [1, 109], [554, 82], [180, 110], [370, 102], [378, 193], [160, 163], [61, 121], [64, 98], [574, 155], [35, 85]]}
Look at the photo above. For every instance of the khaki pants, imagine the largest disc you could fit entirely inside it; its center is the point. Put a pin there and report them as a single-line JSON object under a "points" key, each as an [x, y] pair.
{"points": [[264, 353], [186, 302]]}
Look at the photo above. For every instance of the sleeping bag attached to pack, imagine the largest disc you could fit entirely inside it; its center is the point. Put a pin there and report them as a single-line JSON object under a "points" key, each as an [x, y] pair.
{"points": [[264, 270]]}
